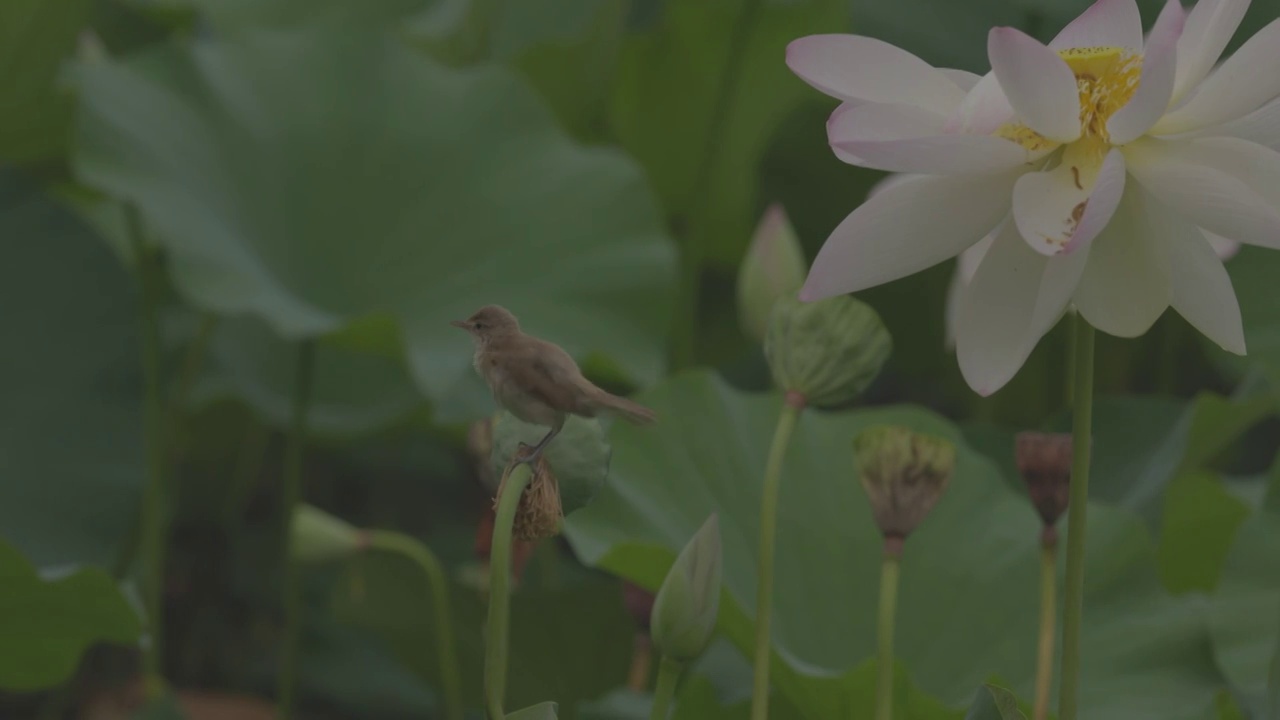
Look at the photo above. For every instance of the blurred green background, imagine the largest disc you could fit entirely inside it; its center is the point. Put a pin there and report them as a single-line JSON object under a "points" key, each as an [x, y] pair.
{"points": [[362, 172]]}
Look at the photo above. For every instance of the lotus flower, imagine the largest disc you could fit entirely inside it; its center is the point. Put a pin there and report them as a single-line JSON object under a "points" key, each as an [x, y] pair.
{"points": [[1098, 171], [967, 263]]}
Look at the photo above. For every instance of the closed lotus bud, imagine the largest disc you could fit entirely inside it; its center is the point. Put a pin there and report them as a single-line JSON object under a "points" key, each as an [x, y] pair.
{"points": [[826, 351], [1044, 462], [773, 268], [686, 606], [577, 459], [317, 536], [904, 474]]}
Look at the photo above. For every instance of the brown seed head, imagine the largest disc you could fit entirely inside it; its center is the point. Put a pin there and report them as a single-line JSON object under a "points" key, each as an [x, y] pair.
{"points": [[539, 514], [904, 474], [1044, 462]]}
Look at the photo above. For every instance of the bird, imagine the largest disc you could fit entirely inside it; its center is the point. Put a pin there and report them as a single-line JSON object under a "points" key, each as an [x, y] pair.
{"points": [[536, 380]]}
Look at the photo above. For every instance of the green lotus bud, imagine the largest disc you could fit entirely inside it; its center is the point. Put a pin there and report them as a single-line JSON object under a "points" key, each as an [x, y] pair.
{"points": [[685, 609], [319, 537], [904, 474], [578, 458], [827, 351], [773, 268]]}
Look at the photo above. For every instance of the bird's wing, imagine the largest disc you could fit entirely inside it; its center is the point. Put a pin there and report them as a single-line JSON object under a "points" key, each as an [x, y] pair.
{"points": [[545, 375]]}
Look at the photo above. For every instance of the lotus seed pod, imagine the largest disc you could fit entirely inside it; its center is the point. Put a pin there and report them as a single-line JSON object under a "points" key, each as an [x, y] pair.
{"points": [[1044, 462], [539, 514], [773, 268], [827, 351], [904, 473], [317, 536], [685, 609], [578, 458]]}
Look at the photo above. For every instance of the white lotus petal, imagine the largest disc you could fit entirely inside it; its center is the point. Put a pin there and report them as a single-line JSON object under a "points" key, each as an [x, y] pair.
{"points": [[1155, 87], [906, 228], [963, 79], [889, 181], [1224, 248], [1261, 126], [1059, 210], [854, 67], [1210, 25], [1015, 297], [966, 265], [905, 138], [1126, 284], [1106, 23], [1227, 186], [1202, 291], [1038, 83], [834, 123], [983, 109], [1243, 83]]}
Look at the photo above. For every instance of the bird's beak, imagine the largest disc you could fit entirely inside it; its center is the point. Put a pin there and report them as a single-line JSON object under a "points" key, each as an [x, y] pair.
{"points": [[459, 324]]}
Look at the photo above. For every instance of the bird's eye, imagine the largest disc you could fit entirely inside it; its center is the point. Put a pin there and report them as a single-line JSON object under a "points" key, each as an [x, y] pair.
{"points": [[479, 326]]}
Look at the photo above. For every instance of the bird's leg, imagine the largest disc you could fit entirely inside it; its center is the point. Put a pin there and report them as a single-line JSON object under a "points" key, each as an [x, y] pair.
{"points": [[533, 454]]}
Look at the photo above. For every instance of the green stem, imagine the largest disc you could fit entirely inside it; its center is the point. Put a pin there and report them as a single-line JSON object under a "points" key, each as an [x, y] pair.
{"points": [[420, 554], [292, 495], [151, 533], [889, 570], [1082, 433], [688, 292], [668, 675], [1048, 621], [768, 530], [495, 656]]}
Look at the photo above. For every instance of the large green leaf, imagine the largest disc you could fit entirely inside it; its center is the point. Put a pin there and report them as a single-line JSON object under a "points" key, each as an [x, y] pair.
{"points": [[355, 392], [71, 422], [47, 623], [1245, 614], [35, 37], [969, 579], [1198, 525], [387, 184], [667, 83]]}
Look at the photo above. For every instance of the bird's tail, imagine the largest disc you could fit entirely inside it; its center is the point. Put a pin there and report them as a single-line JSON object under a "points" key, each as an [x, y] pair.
{"points": [[632, 411]]}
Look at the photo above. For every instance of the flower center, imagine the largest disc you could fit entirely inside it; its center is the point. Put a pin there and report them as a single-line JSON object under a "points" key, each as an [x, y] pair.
{"points": [[1106, 78]]}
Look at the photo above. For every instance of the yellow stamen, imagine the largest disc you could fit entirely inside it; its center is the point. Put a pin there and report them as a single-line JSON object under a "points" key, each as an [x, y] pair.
{"points": [[1106, 78]]}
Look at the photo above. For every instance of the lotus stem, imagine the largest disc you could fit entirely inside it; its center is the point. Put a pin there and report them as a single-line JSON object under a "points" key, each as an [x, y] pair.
{"points": [[768, 530], [292, 495], [1076, 519], [495, 656]]}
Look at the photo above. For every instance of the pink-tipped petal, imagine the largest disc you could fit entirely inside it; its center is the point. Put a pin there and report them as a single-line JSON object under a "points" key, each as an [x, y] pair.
{"points": [[904, 138], [1155, 87], [1210, 25], [1126, 286], [1015, 297], [1037, 82], [1243, 83], [983, 109], [1224, 248], [905, 228], [1227, 186], [1202, 291], [1106, 23], [1058, 213], [854, 67]]}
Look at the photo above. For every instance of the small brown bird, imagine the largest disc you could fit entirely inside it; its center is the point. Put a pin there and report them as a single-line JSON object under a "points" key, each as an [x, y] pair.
{"points": [[535, 380]]}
